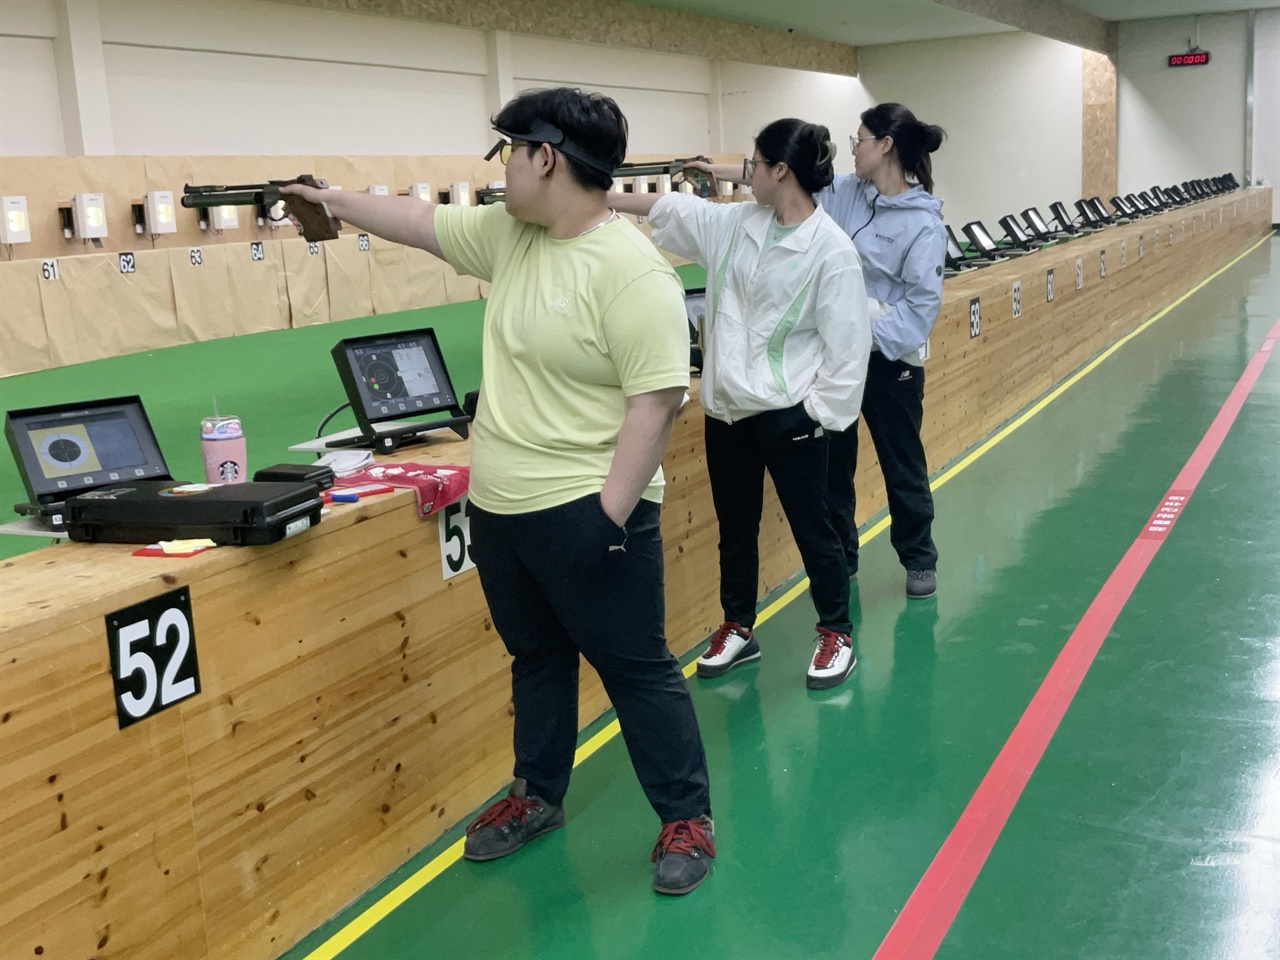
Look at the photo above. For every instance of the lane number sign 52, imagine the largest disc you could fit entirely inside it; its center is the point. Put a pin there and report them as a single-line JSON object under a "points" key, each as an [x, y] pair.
{"points": [[153, 656]]}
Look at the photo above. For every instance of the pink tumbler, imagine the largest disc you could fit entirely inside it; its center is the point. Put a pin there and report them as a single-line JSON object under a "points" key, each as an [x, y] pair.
{"points": [[223, 448]]}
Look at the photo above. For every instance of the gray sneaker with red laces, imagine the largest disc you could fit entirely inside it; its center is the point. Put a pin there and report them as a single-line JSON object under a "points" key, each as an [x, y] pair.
{"points": [[683, 854], [509, 824]]}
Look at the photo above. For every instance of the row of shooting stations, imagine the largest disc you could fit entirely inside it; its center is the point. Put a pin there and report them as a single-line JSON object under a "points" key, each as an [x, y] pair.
{"points": [[351, 702], [75, 457], [84, 216], [298, 714], [1034, 233]]}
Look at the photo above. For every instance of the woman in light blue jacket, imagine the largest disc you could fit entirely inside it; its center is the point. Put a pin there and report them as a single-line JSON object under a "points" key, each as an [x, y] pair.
{"points": [[896, 224]]}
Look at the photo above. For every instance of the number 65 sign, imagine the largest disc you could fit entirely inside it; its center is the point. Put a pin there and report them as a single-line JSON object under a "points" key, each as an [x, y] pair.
{"points": [[153, 656]]}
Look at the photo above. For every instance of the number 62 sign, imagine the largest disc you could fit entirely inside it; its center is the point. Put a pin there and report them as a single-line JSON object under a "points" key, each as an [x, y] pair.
{"points": [[153, 656]]}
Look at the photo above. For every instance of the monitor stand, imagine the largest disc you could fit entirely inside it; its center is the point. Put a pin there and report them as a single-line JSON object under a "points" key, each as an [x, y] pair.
{"points": [[386, 440]]}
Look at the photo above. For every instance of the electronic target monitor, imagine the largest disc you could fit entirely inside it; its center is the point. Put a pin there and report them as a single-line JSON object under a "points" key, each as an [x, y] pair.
{"points": [[395, 377], [70, 448]]}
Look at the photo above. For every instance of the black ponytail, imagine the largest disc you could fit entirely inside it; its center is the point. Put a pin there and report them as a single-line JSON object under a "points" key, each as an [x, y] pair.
{"points": [[806, 149], [913, 141]]}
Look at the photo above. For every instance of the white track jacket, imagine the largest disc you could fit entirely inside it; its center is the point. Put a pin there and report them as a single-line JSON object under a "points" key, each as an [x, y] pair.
{"points": [[785, 325]]}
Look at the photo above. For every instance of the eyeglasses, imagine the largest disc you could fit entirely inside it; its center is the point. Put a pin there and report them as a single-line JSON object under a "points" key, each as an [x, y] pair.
{"points": [[854, 141], [749, 167], [504, 148]]}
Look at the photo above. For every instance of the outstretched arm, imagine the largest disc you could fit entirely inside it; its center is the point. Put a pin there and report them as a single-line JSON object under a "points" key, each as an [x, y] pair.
{"points": [[406, 220], [636, 204]]}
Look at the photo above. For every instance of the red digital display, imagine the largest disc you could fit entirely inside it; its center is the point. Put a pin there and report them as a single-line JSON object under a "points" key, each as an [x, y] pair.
{"points": [[1189, 59]]}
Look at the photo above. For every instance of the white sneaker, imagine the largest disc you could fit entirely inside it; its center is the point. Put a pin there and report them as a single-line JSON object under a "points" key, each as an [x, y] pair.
{"points": [[731, 645], [833, 660]]}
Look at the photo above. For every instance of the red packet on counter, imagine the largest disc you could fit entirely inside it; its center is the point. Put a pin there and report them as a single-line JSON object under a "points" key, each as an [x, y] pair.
{"points": [[435, 485]]}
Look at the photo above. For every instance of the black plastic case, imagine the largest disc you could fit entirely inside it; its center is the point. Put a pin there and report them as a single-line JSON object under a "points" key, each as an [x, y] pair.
{"points": [[146, 511], [321, 476]]}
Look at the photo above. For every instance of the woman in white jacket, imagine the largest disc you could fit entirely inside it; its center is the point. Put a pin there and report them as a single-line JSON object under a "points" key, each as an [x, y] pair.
{"points": [[785, 347]]}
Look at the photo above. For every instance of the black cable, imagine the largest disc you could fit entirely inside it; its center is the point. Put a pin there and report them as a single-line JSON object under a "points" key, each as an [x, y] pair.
{"points": [[332, 413]]}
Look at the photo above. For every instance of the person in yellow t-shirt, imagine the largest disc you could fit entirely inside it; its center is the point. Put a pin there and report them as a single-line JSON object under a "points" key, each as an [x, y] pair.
{"points": [[585, 364]]}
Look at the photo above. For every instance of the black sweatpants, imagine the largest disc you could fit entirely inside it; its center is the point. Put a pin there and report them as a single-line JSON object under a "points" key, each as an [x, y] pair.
{"points": [[892, 408], [793, 448], [567, 581]]}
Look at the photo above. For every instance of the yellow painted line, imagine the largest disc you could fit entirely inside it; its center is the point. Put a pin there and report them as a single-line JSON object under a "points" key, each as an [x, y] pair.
{"points": [[354, 930], [361, 925]]}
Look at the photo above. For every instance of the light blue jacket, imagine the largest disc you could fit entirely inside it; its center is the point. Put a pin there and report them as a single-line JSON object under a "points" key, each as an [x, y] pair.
{"points": [[903, 244]]}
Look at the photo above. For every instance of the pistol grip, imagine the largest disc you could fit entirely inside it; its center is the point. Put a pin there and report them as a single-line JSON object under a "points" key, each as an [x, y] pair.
{"points": [[317, 224]]}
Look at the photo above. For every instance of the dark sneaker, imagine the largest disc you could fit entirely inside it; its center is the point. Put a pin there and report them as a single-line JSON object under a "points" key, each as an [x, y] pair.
{"points": [[833, 660], [510, 823], [921, 584], [683, 854], [731, 645]]}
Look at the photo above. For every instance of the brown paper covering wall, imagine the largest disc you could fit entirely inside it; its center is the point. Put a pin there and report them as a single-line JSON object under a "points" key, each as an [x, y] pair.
{"points": [[57, 319], [24, 339], [200, 281], [230, 293], [307, 281], [389, 276], [427, 279], [349, 278], [112, 313], [257, 292]]}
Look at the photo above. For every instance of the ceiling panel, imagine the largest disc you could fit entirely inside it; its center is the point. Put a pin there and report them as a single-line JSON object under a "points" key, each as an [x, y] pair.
{"points": [[1149, 9], [855, 22]]}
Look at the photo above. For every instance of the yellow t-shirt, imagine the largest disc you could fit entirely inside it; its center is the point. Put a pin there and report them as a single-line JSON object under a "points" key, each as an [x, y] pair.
{"points": [[571, 329]]}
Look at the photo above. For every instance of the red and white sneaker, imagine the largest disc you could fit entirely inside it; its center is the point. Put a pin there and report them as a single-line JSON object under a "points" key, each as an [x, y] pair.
{"points": [[731, 645], [833, 660]]}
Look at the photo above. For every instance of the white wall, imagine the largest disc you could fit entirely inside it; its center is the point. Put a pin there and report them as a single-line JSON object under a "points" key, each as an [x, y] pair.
{"points": [[1011, 106], [666, 98], [1266, 104], [188, 83], [751, 97], [30, 111], [1177, 123]]}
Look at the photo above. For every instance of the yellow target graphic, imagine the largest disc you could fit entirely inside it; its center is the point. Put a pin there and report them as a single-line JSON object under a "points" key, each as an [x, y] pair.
{"points": [[64, 451]]}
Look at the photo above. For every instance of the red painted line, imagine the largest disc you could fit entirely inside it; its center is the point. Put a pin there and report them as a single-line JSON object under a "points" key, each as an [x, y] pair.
{"points": [[928, 913]]}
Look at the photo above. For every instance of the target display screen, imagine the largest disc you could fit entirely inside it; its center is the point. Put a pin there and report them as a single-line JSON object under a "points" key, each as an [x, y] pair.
{"points": [[98, 443], [71, 448], [395, 376]]}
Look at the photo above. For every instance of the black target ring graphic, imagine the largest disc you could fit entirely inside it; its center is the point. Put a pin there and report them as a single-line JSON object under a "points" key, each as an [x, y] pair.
{"points": [[63, 451]]}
